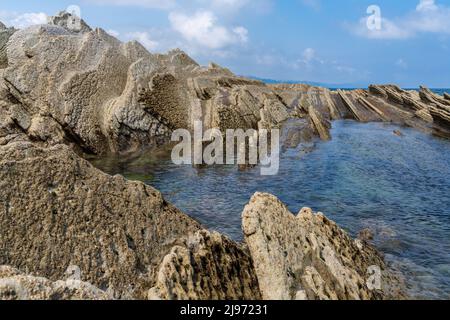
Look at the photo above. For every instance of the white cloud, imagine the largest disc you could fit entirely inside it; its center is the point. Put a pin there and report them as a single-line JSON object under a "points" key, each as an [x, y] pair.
{"points": [[401, 64], [202, 29], [242, 33], [157, 4], [315, 4], [144, 38], [428, 17], [389, 30], [113, 32], [309, 54], [229, 4], [425, 5], [23, 20]]}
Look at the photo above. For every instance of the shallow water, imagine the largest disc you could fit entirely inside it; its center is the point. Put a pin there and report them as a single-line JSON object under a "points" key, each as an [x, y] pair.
{"points": [[365, 177]]}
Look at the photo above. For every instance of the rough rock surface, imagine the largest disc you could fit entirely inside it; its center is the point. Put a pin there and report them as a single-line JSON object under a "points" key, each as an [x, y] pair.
{"points": [[209, 266], [14, 285], [57, 211], [70, 22], [109, 96], [308, 256], [5, 34], [62, 89], [105, 96]]}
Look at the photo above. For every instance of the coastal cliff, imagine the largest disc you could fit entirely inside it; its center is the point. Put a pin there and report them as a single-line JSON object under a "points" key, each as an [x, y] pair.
{"points": [[63, 95]]}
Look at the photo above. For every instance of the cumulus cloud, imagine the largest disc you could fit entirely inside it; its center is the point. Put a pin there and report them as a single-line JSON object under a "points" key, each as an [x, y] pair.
{"points": [[428, 17], [23, 20], [202, 28], [157, 4]]}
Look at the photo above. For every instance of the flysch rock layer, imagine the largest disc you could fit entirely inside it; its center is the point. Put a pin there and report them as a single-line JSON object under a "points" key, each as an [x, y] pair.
{"points": [[63, 91], [56, 211], [209, 266], [309, 257], [105, 96], [109, 96]]}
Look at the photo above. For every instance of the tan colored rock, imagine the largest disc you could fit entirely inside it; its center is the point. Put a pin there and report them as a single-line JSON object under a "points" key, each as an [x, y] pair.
{"points": [[109, 96], [308, 256], [57, 211], [322, 127], [439, 107], [5, 34], [208, 267], [14, 285], [70, 22]]}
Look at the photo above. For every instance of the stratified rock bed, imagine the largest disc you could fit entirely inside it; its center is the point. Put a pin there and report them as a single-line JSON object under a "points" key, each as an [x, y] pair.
{"points": [[66, 92], [309, 257]]}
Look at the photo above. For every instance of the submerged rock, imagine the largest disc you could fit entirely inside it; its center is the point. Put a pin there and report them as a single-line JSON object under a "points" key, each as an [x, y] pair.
{"points": [[398, 133], [309, 257]]}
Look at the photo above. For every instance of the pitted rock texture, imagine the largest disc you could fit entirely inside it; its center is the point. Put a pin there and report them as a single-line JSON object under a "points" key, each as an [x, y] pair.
{"points": [[70, 21], [5, 34], [208, 267], [15, 285], [110, 96], [309, 257], [57, 211], [106, 96]]}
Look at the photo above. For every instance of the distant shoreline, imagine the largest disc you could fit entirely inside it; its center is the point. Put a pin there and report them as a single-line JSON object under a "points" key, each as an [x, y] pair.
{"points": [[334, 87]]}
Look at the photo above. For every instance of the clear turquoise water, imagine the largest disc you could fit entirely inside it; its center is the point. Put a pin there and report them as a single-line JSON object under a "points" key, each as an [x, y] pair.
{"points": [[365, 177]]}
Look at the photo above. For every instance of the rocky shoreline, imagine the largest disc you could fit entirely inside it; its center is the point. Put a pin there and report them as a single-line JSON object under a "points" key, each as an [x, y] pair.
{"points": [[64, 94]]}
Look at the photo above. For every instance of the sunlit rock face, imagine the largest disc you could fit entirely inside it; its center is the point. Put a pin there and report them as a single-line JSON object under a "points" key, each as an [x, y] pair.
{"points": [[86, 91], [309, 257]]}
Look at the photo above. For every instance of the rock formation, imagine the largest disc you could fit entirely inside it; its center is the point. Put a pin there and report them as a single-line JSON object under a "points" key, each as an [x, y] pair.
{"points": [[308, 256], [5, 34], [209, 266], [14, 285], [64, 92], [56, 211], [89, 89]]}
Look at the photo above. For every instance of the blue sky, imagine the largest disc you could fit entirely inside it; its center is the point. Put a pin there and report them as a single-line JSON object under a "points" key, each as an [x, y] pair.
{"points": [[312, 40]]}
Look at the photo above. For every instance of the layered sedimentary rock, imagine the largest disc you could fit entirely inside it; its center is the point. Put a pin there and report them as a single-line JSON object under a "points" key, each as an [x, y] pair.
{"points": [[108, 96], [14, 285], [423, 110], [309, 257], [5, 34], [208, 266], [102, 95], [63, 90], [57, 211]]}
